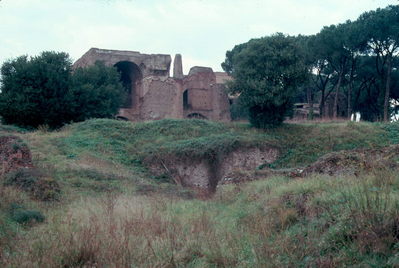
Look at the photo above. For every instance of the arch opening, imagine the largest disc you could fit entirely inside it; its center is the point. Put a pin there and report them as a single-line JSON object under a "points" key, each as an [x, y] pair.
{"points": [[131, 77], [186, 103], [196, 116], [121, 118]]}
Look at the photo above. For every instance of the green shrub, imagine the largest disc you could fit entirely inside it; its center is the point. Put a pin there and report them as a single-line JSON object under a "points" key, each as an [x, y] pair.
{"points": [[24, 216], [22, 178], [34, 182]]}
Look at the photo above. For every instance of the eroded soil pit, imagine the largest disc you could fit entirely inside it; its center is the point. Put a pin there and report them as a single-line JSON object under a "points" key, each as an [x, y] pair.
{"points": [[239, 165], [207, 172]]}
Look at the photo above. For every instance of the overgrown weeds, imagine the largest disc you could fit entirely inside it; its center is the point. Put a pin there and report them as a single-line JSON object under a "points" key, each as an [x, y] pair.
{"points": [[317, 221], [35, 183]]}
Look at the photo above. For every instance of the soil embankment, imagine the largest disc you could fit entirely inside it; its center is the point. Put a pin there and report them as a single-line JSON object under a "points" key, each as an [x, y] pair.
{"points": [[207, 172], [354, 162]]}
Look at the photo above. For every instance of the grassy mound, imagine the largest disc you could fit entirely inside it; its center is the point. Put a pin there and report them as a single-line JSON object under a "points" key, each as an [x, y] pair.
{"points": [[102, 155], [128, 143], [300, 144]]}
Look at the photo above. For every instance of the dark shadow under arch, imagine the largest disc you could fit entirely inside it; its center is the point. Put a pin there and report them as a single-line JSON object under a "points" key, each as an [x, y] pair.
{"points": [[196, 116], [186, 103], [131, 77], [122, 118]]}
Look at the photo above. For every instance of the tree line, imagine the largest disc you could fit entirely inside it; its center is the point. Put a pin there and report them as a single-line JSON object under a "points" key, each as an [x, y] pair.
{"points": [[45, 90], [353, 65]]}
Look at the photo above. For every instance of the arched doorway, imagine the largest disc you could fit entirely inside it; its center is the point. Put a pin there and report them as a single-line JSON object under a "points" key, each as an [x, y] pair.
{"points": [[186, 103], [131, 77], [196, 116]]}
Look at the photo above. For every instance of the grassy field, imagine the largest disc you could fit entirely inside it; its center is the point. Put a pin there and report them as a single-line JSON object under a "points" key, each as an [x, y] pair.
{"points": [[112, 213]]}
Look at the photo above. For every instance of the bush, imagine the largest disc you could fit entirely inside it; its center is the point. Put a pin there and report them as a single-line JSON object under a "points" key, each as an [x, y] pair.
{"points": [[23, 216], [42, 90]]}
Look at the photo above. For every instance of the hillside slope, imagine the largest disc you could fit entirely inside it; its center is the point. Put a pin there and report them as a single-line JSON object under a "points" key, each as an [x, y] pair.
{"points": [[112, 211]]}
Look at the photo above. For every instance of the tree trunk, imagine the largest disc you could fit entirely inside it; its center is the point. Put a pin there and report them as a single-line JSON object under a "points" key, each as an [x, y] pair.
{"points": [[350, 101], [350, 90], [387, 91], [322, 99], [310, 102], [338, 85]]}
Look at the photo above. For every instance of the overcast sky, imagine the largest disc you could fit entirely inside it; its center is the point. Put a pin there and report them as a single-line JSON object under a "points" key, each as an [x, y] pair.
{"points": [[201, 30]]}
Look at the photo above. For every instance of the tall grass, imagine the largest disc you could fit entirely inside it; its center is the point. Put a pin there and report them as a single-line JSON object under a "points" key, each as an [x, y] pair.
{"points": [[314, 222]]}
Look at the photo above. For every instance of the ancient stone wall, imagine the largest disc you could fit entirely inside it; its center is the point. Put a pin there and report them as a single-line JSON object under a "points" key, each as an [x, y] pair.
{"points": [[153, 94], [160, 99], [149, 64]]}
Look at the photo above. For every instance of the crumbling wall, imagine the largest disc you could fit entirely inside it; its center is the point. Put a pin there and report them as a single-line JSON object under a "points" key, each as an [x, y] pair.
{"points": [[160, 99], [221, 105], [149, 64], [247, 159], [157, 95], [207, 97], [200, 99]]}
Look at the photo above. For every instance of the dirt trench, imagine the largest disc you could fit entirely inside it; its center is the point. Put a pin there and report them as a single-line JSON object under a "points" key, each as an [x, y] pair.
{"points": [[208, 172]]}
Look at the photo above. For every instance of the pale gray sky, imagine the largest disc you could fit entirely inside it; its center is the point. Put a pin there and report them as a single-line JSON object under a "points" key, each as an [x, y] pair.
{"points": [[201, 30]]}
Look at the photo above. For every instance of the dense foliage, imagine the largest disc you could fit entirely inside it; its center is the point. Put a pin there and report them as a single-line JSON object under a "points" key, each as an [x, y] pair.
{"points": [[43, 90], [95, 92], [34, 91], [353, 67], [267, 72]]}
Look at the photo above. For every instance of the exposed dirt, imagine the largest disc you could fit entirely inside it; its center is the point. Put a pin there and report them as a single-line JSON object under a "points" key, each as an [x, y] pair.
{"points": [[206, 173], [241, 166], [14, 154], [354, 162], [18, 170]]}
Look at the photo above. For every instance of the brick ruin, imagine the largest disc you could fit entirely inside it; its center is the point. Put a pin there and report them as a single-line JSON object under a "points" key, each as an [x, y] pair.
{"points": [[153, 94]]}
